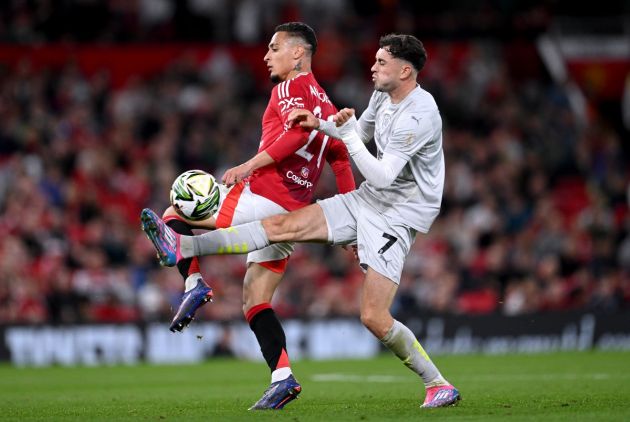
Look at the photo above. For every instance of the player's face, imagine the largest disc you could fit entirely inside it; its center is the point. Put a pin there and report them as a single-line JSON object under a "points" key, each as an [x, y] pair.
{"points": [[280, 57], [386, 71]]}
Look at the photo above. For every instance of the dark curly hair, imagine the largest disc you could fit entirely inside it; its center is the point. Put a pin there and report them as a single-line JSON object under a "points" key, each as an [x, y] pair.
{"points": [[406, 47], [301, 30]]}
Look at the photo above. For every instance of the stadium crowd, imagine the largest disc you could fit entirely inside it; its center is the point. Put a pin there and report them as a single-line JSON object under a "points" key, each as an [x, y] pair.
{"points": [[535, 214]]}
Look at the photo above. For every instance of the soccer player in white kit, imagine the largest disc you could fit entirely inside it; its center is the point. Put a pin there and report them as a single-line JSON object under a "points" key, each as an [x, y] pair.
{"points": [[400, 197]]}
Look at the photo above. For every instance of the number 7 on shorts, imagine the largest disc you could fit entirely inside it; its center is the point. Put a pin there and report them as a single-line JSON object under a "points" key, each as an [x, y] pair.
{"points": [[390, 241]]}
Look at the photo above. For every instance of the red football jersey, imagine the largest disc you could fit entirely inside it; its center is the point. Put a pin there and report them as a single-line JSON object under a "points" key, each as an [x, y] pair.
{"points": [[299, 155]]}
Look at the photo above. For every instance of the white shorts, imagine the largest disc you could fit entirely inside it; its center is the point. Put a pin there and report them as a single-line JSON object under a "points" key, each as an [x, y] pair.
{"points": [[240, 206], [382, 244]]}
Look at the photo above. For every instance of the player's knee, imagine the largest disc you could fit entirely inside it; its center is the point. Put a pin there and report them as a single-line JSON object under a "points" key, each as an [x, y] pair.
{"points": [[369, 320], [374, 321], [253, 295], [169, 212], [278, 227], [246, 305], [248, 302], [247, 293]]}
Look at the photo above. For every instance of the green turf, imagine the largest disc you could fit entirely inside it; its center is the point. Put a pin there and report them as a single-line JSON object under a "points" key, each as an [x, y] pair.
{"points": [[567, 386]]}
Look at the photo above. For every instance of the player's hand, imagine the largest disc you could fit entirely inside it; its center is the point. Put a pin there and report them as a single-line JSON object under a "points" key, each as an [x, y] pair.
{"points": [[304, 118], [236, 174], [343, 116]]}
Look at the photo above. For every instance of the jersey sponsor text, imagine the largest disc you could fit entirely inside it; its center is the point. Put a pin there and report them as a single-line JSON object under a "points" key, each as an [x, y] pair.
{"points": [[298, 180]]}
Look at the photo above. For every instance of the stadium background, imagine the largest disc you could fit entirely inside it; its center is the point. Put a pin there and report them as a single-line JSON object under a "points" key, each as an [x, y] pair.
{"points": [[102, 104]]}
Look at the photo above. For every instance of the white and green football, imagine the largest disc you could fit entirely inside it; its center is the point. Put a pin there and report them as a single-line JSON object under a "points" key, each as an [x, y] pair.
{"points": [[195, 195]]}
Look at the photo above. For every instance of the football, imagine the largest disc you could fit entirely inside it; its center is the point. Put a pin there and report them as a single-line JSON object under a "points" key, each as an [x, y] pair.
{"points": [[195, 195]]}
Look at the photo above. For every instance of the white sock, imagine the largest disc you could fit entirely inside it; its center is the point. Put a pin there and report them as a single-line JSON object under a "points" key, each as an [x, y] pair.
{"points": [[191, 281], [404, 344], [239, 239], [186, 246], [280, 374]]}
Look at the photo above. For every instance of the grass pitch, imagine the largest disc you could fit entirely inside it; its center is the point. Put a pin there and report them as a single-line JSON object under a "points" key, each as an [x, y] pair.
{"points": [[563, 386]]}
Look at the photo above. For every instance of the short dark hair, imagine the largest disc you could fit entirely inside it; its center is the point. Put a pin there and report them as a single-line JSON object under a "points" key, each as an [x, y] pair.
{"points": [[301, 30], [406, 47]]}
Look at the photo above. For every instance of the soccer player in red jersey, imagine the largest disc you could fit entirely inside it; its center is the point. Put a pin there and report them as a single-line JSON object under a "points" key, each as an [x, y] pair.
{"points": [[281, 177]]}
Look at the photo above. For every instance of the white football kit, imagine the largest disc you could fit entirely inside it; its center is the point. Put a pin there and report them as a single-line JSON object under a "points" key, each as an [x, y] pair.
{"points": [[384, 221]]}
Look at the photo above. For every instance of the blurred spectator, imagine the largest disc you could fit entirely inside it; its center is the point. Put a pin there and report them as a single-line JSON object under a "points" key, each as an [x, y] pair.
{"points": [[535, 210]]}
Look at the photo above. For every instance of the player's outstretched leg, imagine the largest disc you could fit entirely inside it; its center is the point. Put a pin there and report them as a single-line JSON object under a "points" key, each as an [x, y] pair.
{"points": [[164, 239], [278, 394], [172, 247]]}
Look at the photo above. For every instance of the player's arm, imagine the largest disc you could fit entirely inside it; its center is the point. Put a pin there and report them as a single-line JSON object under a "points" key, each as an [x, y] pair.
{"points": [[364, 127], [306, 119], [242, 171], [339, 160], [290, 140], [407, 138], [379, 173], [294, 137], [285, 145]]}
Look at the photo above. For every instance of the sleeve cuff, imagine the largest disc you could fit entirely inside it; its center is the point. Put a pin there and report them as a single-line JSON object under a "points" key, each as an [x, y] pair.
{"points": [[329, 128]]}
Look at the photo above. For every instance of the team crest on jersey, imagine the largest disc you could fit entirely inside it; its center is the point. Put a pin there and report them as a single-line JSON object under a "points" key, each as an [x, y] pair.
{"points": [[304, 172], [290, 103]]}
